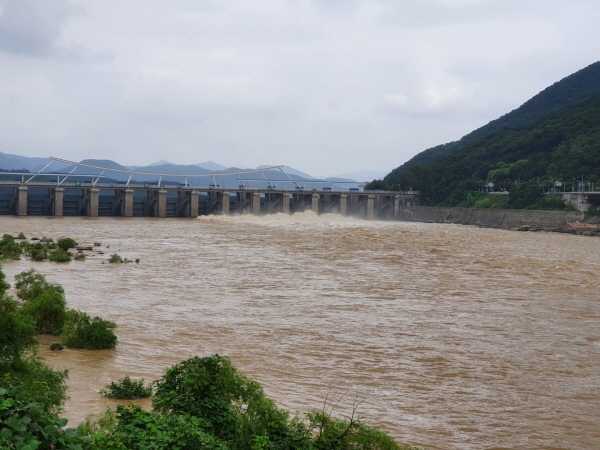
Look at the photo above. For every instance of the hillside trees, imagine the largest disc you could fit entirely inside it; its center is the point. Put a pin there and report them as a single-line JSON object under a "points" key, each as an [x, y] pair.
{"points": [[562, 145]]}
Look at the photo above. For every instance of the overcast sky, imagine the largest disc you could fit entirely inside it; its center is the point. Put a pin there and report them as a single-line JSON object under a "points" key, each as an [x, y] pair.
{"points": [[325, 86]]}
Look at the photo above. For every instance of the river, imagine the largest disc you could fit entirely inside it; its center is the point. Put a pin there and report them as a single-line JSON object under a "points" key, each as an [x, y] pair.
{"points": [[453, 337]]}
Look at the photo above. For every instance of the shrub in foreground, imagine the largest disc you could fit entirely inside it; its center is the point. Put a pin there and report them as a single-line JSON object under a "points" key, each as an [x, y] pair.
{"points": [[26, 422], [127, 389]]}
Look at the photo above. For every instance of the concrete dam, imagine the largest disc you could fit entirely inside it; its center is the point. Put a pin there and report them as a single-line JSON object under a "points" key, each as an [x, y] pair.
{"points": [[69, 194], [35, 199]]}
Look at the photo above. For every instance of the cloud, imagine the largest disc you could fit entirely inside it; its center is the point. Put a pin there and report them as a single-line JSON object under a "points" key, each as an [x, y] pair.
{"points": [[307, 83], [33, 27]]}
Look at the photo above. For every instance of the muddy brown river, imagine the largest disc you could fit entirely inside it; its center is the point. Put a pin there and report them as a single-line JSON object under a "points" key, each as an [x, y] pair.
{"points": [[454, 337]]}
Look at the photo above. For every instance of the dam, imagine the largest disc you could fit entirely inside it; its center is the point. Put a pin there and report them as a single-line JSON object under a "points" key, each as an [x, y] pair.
{"points": [[69, 194]]}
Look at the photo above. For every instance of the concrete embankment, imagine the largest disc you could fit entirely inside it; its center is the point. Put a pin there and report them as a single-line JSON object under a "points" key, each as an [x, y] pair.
{"points": [[561, 221]]}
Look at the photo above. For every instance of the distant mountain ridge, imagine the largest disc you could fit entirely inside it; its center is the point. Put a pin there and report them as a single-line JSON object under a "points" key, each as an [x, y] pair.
{"points": [[34, 164]]}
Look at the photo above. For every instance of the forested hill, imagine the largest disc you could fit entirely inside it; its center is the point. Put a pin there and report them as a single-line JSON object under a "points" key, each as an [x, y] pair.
{"points": [[553, 136]]}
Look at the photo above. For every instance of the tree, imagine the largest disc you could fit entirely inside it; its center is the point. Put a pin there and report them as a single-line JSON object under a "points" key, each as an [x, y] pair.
{"points": [[17, 333], [30, 284], [48, 311], [235, 406]]}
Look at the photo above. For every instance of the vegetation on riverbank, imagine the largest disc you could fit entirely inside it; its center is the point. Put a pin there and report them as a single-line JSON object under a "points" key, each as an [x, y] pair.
{"points": [[200, 403], [44, 304], [46, 249]]}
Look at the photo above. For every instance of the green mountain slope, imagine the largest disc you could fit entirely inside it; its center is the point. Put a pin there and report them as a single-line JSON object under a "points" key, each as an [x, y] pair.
{"points": [[553, 136]]}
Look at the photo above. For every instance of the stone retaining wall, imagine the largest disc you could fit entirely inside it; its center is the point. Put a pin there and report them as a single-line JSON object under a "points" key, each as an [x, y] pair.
{"points": [[497, 218]]}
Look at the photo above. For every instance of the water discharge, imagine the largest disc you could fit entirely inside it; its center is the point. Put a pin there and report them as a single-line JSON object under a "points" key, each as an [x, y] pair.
{"points": [[456, 337]]}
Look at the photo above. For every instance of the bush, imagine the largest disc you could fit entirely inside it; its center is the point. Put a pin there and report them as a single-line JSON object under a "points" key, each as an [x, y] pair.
{"points": [[115, 258], [141, 429], [66, 243], [31, 284], [9, 249], [17, 333], [59, 255], [79, 256], [26, 422], [55, 346], [4, 286], [210, 388], [552, 203], [48, 311], [38, 253], [332, 433], [21, 236], [81, 331], [127, 389], [18, 344], [98, 423]]}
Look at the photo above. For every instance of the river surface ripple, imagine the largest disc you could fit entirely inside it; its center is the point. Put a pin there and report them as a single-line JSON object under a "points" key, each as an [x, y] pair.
{"points": [[455, 337]]}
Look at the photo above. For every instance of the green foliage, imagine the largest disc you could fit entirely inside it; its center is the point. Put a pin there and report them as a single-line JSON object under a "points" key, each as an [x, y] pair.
{"points": [[141, 429], [208, 387], [38, 253], [59, 255], [551, 203], [31, 371], [66, 243], [55, 346], [48, 311], [81, 331], [9, 249], [97, 244], [236, 408], [524, 195], [115, 258], [127, 389], [593, 211], [27, 424], [4, 286], [98, 423], [17, 333], [17, 356], [493, 201], [331, 433], [30, 284], [21, 236], [79, 256]]}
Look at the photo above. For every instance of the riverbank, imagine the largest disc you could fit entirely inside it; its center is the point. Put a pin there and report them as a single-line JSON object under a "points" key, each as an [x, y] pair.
{"points": [[571, 222]]}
